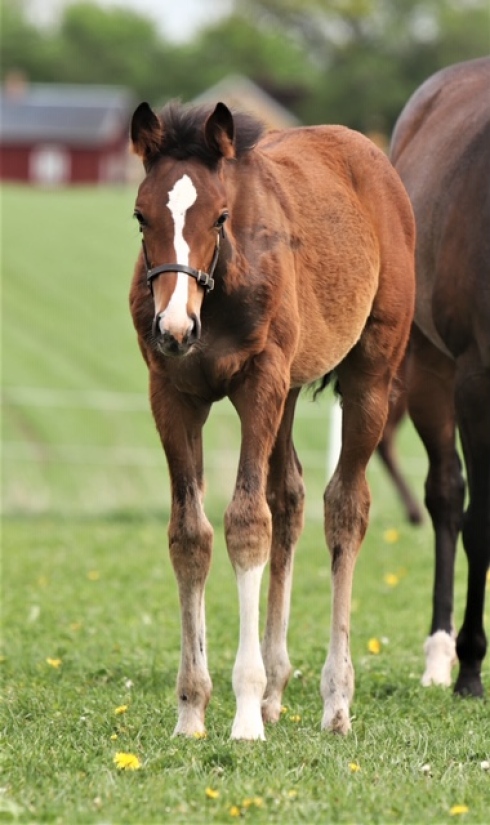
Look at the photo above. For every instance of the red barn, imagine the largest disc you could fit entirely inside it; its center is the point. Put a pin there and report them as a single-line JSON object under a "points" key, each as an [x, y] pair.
{"points": [[61, 134]]}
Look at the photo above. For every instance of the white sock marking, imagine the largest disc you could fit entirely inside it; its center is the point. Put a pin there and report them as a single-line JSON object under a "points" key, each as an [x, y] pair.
{"points": [[440, 655], [249, 679]]}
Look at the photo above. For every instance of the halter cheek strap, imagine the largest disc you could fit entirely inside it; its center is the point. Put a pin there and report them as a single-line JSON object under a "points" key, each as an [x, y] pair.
{"points": [[204, 279]]}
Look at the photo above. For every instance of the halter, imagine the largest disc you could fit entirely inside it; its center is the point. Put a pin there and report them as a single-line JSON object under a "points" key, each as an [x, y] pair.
{"points": [[205, 279]]}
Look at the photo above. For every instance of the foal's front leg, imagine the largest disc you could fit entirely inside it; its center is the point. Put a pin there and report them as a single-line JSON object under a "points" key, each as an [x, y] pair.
{"points": [[190, 541], [248, 527]]}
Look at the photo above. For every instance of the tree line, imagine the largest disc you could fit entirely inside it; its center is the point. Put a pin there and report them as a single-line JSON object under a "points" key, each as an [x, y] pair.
{"points": [[339, 61]]}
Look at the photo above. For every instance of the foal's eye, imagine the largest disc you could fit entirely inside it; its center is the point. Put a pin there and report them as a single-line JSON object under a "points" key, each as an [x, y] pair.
{"points": [[222, 218], [139, 217]]}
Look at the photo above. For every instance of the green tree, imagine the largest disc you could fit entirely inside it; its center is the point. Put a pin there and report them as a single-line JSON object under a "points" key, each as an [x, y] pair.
{"points": [[372, 54], [23, 47]]}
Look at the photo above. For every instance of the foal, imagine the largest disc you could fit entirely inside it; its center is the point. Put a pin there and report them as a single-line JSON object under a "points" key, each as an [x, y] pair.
{"points": [[267, 262]]}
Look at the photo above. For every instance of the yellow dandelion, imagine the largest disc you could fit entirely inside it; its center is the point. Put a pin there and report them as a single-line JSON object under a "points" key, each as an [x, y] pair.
{"points": [[391, 536], [235, 811], [374, 646], [93, 575], [200, 734], [354, 767], [284, 709], [211, 793], [255, 801], [120, 710], [295, 718], [456, 810], [114, 737], [292, 794], [391, 579], [54, 662], [127, 762]]}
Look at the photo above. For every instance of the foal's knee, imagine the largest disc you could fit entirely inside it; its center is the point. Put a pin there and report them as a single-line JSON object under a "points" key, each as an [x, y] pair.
{"points": [[248, 530], [190, 544]]}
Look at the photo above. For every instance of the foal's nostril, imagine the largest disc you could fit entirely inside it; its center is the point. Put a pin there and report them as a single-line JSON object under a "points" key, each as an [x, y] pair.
{"points": [[155, 329], [195, 331]]}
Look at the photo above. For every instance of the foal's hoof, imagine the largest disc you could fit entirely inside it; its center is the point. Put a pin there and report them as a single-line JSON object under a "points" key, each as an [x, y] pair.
{"points": [[271, 709], [249, 727], [336, 721], [190, 723]]}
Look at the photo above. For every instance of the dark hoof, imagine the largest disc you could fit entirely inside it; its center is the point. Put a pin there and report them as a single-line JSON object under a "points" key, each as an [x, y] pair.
{"points": [[469, 684]]}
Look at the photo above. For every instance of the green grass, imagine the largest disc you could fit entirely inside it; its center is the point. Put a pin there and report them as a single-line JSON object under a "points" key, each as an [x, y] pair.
{"points": [[99, 594], [87, 580]]}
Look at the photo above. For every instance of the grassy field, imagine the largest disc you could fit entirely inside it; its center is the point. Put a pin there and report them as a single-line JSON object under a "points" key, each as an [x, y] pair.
{"points": [[89, 603]]}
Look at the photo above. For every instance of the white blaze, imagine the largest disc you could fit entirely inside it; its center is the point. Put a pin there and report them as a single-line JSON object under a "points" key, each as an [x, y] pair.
{"points": [[180, 199]]}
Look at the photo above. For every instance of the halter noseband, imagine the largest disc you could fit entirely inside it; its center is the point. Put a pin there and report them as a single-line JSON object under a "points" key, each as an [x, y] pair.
{"points": [[204, 279]]}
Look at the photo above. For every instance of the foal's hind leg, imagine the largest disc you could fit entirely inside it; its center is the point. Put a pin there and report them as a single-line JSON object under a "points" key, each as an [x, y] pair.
{"points": [[431, 405], [365, 386], [285, 494], [472, 395]]}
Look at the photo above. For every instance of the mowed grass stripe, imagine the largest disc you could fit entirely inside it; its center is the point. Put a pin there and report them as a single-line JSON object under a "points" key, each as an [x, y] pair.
{"points": [[67, 259]]}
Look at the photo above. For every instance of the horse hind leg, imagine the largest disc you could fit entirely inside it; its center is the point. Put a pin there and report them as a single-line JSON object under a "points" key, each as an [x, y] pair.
{"points": [[472, 395], [387, 448], [286, 501], [431, 407]]}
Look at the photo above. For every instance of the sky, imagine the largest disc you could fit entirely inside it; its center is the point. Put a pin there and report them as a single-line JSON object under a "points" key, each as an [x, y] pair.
{"points": [[178, 20]]}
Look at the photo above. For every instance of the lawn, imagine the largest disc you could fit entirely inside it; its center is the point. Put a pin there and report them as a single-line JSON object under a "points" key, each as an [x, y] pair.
{"points": [[90, 614]]}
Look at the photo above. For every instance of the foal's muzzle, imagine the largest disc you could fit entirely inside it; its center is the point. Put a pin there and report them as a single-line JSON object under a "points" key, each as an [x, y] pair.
{"points": [[169, 344]]}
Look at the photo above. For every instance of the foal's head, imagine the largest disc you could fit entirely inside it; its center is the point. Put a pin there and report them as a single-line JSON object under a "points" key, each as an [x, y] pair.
{"points": [[182, 206]]}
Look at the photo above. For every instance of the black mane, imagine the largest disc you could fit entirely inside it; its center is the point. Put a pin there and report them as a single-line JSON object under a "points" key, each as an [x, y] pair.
{"points": [[183, 129]]}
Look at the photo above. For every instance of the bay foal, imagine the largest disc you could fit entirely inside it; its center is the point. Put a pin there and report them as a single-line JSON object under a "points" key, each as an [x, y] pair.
{"points": [[267, 263]]}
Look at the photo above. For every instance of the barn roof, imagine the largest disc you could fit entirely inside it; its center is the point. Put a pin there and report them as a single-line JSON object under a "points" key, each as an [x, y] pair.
{"points": [[239, 92], [71, 114]]}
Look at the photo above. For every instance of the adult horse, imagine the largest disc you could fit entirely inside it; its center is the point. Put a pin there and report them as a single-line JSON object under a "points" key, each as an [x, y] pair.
{"points": [[441, 148], [387, 451], [267, 262]]}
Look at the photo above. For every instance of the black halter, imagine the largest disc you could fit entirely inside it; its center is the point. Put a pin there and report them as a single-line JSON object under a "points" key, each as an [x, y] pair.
{"points": [[205, 279]]}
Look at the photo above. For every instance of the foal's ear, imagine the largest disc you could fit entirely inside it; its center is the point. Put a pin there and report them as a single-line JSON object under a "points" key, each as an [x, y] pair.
{"points": [[219, 131], [146, 132]]}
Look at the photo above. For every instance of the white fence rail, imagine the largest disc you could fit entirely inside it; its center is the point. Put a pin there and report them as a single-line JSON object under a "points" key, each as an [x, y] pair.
{"points": [[109, 475]]}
